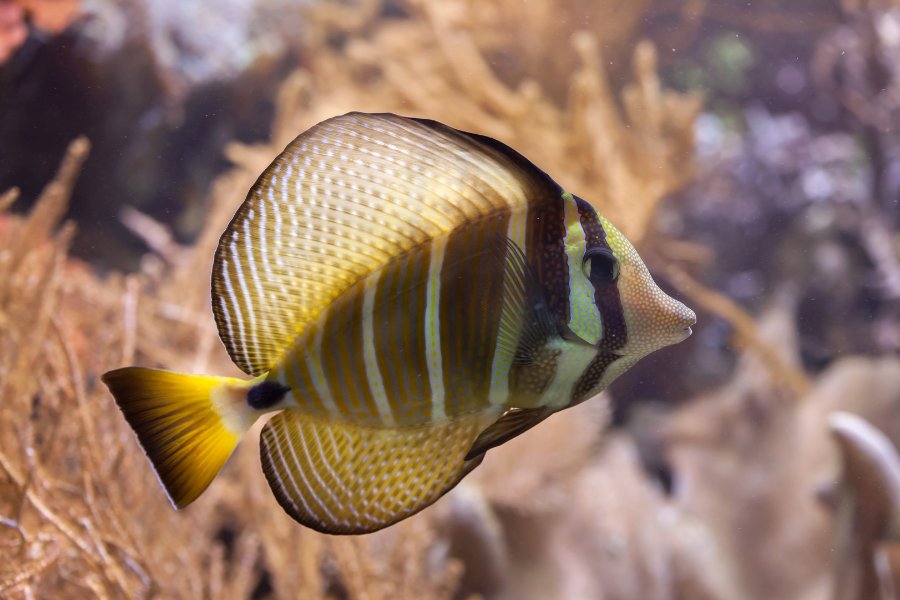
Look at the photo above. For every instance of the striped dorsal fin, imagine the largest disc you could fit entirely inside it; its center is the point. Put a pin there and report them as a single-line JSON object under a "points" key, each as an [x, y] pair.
{"points": [[344, 479], [342, 200]]}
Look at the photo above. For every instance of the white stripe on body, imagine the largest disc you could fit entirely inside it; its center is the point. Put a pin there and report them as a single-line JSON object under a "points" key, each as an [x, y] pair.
{"points": [[432, 325], [373, 373]]}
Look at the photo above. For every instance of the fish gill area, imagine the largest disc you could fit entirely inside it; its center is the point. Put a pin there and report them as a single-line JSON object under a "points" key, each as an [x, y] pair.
{"points": [[749, 151]]}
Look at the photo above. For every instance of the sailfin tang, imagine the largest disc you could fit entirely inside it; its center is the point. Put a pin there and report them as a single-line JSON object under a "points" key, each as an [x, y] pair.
{"points": [[187, 424], [514, 422], [342, 479], [342, 200]]}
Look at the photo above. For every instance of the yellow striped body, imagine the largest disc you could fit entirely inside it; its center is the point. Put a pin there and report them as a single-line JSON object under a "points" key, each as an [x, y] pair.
{"points": [[412, 343], [418, 340], [406, 296]]}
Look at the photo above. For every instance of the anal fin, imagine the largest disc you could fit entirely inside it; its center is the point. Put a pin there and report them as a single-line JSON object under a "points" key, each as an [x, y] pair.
{"points": [[513, 422], [340, 478]]}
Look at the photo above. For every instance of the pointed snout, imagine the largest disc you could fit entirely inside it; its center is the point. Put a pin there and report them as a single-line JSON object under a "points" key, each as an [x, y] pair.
{"points": [[684, 318], [673, 320], [655, 320]]}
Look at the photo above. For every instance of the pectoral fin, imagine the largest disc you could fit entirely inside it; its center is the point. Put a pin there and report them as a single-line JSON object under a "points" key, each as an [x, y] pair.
{"points": [[513, 422], [342, 479], [526, 323]]}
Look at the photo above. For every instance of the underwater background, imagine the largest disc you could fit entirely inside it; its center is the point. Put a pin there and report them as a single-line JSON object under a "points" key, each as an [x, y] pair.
{"points": [[748, 149]]}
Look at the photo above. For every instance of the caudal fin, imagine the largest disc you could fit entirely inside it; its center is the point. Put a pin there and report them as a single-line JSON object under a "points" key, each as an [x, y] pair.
{"points": [[188, 425]]}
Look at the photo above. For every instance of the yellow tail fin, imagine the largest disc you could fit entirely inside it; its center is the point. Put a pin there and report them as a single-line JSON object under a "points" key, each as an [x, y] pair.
{"points": [[188, 425]]}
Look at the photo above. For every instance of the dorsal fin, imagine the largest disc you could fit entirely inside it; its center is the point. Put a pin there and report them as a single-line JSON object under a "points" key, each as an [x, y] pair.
{"points": [[342, 200]]}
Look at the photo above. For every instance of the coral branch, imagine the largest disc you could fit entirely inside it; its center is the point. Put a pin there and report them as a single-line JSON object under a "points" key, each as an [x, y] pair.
{"points": [[745, 329]]}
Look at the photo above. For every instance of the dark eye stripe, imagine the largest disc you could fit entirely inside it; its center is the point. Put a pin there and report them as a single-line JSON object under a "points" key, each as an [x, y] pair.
{"points": [[609, 303], [594, 234], [601, 266]]}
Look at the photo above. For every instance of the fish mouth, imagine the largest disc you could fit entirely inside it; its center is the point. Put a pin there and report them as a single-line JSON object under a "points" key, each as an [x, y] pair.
{"points": [[689, 322], [684, 334]]}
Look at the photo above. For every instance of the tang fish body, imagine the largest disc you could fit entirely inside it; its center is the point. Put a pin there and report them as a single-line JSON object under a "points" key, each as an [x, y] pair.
{"points": [[406, 296]]}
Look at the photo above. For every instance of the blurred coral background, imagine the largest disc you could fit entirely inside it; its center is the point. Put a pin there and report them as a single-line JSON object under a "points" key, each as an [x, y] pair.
{"points": [[749, 149]]}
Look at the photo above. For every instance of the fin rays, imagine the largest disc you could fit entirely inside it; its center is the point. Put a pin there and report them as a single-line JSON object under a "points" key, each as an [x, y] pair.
{"points": [[344, 479], [341, 201], [179, 424]]}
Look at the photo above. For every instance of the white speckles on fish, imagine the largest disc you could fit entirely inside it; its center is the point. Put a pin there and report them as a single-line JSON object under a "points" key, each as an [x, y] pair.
{"points": [[406, 296]]}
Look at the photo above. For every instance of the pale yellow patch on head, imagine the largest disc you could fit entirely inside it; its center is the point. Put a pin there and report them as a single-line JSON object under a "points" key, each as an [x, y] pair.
{"points": [[584, 317]]}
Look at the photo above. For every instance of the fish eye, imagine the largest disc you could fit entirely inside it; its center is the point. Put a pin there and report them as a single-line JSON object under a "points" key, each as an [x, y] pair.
{"points": [[600, 266]]}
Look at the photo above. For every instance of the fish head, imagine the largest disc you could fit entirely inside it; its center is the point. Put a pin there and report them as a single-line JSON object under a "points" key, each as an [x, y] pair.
{"points": [[614, 303], [616, 313], [652, 319]]}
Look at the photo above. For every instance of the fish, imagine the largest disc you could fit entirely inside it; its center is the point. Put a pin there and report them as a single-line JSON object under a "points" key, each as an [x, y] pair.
{"points": [[403, 297]]}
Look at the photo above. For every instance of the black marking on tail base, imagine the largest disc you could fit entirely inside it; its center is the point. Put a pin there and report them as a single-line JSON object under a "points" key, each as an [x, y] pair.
{"points": [[266, 394]]}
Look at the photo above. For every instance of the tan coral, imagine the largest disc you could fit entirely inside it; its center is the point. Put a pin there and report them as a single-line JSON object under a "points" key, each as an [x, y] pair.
{"points": [[748, 465], [437, 65], [76, 494], [867, 508]]}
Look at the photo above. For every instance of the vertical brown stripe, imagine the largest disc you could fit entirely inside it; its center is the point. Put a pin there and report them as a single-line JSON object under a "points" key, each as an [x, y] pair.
{"points": [[470, 308], [354, 358], [399, 321], [546, 251], [342, 357], [609, 303], [328, 357], [298, 376], [591, 376], [615, 334]]}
